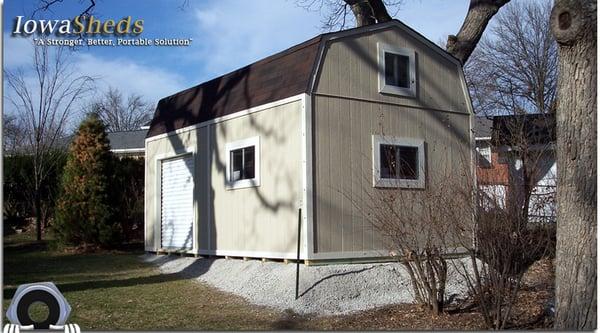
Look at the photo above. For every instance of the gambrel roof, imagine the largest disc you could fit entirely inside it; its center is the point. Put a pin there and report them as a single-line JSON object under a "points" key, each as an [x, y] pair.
{"points": [[285, 74]]}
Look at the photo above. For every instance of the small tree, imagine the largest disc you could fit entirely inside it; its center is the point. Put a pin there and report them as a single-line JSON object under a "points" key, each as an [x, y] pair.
{"points": [[42, 97], [84, 211]]}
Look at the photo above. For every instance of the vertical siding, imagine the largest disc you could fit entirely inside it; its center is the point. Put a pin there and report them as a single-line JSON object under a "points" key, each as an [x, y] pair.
{"points": [[169, 146], [348, 110], [259, 219], [344, 163], [350, 69]]}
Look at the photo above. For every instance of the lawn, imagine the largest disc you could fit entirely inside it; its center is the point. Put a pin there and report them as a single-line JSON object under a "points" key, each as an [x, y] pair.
{"points": [[116, 290]]}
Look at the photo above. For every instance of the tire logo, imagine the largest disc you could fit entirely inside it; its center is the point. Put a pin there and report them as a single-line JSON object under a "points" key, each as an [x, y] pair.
{"points": [[47, 294]]}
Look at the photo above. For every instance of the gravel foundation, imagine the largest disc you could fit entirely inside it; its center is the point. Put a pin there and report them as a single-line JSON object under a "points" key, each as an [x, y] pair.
{"points": [[325, 290]]}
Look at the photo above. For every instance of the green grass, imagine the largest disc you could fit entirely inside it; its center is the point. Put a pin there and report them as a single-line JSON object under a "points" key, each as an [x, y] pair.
{"points": [[115, 290]]}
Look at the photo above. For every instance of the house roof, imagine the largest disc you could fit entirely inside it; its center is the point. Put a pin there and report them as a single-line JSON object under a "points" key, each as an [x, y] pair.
{"points": [[127, 139], [531, 129], [276, 77], [483, 127]]}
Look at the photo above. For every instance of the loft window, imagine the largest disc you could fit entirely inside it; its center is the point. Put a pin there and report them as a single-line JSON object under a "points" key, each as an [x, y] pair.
{"points": [[397, 70], [398, 162], [397, 73], [243, 163]]}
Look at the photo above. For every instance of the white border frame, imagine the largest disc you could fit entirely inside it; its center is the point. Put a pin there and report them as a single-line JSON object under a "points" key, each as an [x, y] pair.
{"points": [[157, 213], [243, 183], [395, 90], [378, 140]]}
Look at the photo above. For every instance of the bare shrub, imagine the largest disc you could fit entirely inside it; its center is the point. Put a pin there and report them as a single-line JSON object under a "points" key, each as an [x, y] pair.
{"points": [[414, 224], [505, 247]]}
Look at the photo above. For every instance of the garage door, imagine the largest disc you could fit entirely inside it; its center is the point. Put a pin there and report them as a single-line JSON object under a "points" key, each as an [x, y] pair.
{"points": [[177, 203]]}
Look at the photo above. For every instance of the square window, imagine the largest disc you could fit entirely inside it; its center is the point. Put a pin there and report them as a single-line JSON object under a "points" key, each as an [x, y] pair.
{"points": [[397, 70], [242, 163], [398, 162], [397, 74]]}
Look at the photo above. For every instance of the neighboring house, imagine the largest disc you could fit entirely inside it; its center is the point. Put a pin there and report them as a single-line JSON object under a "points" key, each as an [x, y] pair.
{"points": [[122, 143], [501, 172], [230, 162], [128, 143], [492, 170]]}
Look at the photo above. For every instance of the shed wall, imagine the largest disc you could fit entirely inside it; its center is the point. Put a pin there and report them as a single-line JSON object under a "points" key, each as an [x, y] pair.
{"points": [[348, 110], [349, 69], [257, 221], [343, 173]]}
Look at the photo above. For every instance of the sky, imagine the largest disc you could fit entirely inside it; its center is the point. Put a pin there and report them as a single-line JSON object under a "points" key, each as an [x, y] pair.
{"points": [[226, 35]]}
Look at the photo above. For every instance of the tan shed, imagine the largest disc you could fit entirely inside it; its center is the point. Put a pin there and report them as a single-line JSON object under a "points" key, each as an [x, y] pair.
{"points": [[230, 162]]}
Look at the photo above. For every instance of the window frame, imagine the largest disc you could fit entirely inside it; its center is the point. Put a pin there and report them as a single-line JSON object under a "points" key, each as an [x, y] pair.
{"points": [[242, 183], [481, 147], [486, 154], [377, 141], [411, 91]]}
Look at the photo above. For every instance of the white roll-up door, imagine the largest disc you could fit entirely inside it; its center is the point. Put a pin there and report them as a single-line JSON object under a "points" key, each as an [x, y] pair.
{"points": [[177, 203]]}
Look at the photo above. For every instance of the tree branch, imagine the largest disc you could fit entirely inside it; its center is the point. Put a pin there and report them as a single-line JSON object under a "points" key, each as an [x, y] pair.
{"points": [[480, 12]]}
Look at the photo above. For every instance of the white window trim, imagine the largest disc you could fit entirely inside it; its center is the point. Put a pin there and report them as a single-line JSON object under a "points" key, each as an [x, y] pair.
{"points": [[402, 183], [389, 89], [243, 183]]}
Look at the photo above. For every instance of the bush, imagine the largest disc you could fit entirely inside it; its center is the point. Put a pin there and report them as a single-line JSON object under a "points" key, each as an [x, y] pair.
{"points": [[85, 211], [17, 206], [19, 189], [506, 245], [129, 195]]}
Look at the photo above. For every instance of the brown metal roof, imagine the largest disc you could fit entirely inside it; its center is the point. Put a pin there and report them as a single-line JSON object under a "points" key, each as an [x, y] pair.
{"points": [[282, 75]]}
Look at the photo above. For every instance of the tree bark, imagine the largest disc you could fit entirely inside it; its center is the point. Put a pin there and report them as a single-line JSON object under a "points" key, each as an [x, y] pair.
{"points": [[480, 12], [38, 215], [368, 12], [380, 11], [574, 26], [362, 12]]}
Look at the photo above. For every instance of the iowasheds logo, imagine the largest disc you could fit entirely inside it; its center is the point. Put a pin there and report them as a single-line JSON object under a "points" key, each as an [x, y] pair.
{"points": [[90, 31]]}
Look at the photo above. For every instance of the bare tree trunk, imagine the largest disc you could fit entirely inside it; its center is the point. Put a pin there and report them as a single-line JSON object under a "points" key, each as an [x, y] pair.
{"points": [[380, 11], [38, 215], [574, 26], [480, 12], [363, 13]]}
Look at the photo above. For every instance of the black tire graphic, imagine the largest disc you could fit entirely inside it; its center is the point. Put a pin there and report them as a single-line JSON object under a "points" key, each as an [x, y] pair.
{"points": [[41, 296]]}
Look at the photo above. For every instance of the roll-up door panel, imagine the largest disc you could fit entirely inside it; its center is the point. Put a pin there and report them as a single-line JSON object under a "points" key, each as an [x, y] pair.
{"points": [[177, 203]]}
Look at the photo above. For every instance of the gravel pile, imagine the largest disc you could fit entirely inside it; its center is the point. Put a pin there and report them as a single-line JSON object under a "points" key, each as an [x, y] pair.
{"points": [[325, 290]]}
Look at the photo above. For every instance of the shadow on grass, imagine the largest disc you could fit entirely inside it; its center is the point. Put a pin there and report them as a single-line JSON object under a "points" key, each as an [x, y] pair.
{"points": [[27, 261], [25, 247], [194, 270]]}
